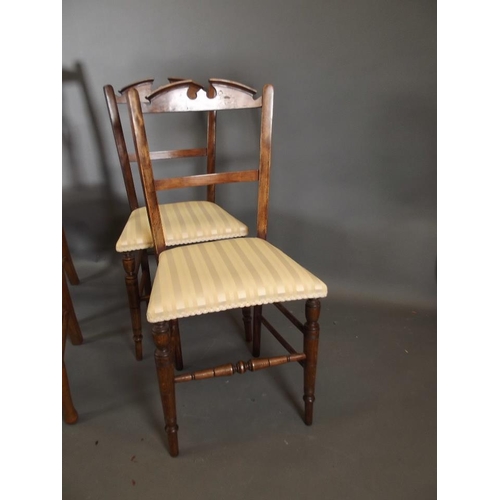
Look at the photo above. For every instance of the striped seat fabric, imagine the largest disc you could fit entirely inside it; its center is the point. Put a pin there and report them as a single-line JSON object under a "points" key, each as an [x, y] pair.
{"points": [[226, 274], [183, 223]]}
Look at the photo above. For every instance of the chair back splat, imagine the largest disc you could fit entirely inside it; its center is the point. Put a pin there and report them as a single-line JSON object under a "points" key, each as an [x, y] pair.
{"points": [[231, 273]]}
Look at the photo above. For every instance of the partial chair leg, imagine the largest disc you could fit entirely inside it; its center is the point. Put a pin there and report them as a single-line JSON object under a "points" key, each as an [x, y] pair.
{"points": [[257, 323], [174, 326], [145, 271], [311, 341], [164, 359], [68, 265], [72, 325], [247, 321], [70, 415], [134, 301]]}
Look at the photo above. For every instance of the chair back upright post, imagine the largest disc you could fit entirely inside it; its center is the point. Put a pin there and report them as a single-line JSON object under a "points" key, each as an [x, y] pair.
{"points": [[179, 97], [212, 123], [266, 129], [144, 87]]}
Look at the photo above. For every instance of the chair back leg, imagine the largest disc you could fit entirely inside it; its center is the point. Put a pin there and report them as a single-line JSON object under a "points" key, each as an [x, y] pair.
{"points": [[311, 341], [134, 300], [70, 414], [247, 322], [257, 326]]}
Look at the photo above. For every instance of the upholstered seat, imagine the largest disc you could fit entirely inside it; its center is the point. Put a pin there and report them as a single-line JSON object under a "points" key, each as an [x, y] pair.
{"points": [[227, 274], [183, 223]]}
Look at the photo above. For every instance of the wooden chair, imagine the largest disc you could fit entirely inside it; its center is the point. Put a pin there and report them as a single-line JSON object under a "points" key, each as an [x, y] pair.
{"points": [[185, 222], [202, 278]]}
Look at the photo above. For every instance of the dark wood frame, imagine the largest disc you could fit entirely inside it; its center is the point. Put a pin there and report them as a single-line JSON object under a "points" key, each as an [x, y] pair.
{"points": [[222, 95]]}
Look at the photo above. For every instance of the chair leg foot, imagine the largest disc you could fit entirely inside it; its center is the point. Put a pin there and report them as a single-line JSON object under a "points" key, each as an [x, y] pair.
{"points": [[164, 360], [311, 341], [173, 442], [138, 348]]}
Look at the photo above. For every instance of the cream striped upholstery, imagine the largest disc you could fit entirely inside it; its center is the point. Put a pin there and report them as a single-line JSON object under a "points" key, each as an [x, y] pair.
{"points": [[183, 223], [226, 274]]}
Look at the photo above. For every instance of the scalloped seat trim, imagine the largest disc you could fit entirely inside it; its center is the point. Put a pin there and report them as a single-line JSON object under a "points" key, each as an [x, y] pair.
{"points": [[183, 223], [226, 274]]}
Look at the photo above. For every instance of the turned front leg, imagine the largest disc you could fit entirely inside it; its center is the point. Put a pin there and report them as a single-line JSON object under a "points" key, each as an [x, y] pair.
{"points": [[164, 359], [311, 341], [134, 301]]}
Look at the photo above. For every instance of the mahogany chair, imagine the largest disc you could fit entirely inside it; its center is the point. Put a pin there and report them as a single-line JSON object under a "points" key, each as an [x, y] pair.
{"points": [[202, 278], [184, 222]]}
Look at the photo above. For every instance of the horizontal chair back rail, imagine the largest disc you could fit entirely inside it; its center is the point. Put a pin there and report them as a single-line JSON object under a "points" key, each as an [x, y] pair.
{"points": [[206, 179], [172, 154], [222, 94]]}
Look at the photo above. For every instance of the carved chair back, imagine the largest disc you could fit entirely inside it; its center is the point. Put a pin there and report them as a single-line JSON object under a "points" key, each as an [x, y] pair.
{"points": [[186, 96]]}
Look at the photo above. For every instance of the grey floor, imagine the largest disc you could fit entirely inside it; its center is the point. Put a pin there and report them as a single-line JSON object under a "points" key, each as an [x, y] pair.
{"points": [[373, 437]]}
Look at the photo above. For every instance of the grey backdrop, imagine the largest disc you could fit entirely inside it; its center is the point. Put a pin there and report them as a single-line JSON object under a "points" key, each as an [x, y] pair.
{"points": [[353, 186]]}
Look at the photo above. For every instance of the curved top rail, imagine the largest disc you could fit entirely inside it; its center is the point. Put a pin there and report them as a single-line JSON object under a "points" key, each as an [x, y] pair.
{"points": [[231, 83], [186, 95], [173, 79], [143, 87]]}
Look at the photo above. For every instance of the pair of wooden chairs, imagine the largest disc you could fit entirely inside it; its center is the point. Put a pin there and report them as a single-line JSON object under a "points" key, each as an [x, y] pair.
{"points": [[206, 261]]}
